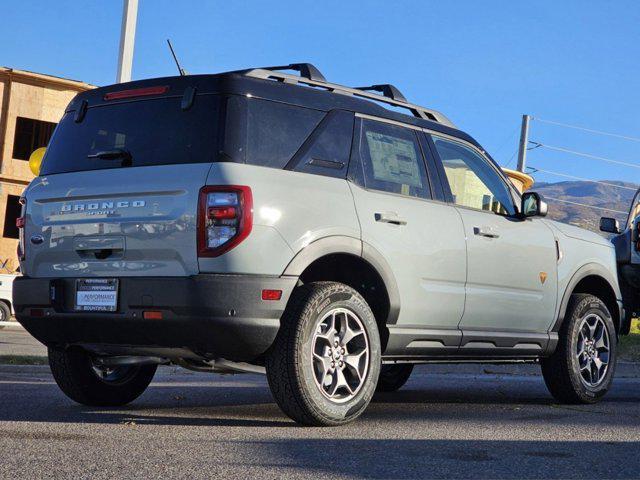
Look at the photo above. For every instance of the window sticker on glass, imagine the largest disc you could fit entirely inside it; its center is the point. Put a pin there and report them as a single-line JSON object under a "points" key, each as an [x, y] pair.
{"points": [[394, 159]]}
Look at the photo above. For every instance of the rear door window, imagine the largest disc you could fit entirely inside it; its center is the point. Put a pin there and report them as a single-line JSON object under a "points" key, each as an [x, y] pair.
{"points": [[153, 132], [392, 160]]}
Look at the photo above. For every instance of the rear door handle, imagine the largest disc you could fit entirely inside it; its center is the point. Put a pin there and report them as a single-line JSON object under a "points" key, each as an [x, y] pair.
{"points": [[485, 232], [389, 217]]}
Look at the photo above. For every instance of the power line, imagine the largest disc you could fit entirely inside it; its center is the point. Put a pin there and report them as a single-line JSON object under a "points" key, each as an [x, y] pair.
{"points": [[504, 143], [535, 169], [590, 130], [511, 159], [585, 205], [587, 155]]}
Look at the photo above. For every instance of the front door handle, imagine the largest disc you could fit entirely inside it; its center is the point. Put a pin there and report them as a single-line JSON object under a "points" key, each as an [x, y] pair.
{"points": [[485, 232], [389, 217]]}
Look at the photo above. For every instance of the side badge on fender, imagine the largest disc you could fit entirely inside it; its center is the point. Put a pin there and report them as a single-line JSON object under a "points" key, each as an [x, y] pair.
{"points": [[543, 277]]}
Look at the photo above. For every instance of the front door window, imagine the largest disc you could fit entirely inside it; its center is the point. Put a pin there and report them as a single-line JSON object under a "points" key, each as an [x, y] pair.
{"points": [[473, 182]]}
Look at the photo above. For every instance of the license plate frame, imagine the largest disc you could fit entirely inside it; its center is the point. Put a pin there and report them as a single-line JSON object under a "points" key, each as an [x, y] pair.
{"points": [[96, 295]]}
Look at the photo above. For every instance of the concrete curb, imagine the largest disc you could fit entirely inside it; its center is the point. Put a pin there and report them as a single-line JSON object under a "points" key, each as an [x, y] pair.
{"points": [[623, 369], [12, 325]]}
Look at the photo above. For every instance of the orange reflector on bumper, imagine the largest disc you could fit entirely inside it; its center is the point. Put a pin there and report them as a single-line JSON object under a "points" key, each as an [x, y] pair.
{"points": [[152, 315]]}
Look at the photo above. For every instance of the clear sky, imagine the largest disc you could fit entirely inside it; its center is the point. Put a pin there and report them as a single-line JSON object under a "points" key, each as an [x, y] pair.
{"points": [[483, 63]]}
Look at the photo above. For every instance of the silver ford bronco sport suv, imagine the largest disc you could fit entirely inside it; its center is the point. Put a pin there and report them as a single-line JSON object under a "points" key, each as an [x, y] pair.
{"points": [[261, 220]]}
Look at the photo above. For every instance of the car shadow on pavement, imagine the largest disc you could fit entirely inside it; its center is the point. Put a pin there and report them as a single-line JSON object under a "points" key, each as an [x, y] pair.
{"points": [[244, 401], [426, 458]]}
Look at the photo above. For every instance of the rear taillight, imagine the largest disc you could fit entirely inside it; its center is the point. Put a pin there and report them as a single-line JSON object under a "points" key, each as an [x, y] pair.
{"points": [[225, 218]]}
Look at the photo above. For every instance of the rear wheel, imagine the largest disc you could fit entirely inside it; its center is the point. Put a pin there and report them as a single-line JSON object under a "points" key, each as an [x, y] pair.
{"points": [[582, 367], [324, 364], [393, 377], [89, 384]]}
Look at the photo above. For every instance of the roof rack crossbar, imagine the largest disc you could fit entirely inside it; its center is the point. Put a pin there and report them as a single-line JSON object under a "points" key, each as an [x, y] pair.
{"points": [[387, 90], [307, 70], [391, 95]]}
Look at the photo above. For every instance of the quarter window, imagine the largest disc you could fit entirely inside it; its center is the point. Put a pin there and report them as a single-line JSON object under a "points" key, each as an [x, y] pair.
{"points": [[326, 151], [473, 182], [265, 133], [392, 160]]}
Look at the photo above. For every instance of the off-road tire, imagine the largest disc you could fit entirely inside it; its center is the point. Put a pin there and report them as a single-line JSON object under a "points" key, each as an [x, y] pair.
{"points": [[561, 370], [393, 377], [73, 371], [289, 363]]}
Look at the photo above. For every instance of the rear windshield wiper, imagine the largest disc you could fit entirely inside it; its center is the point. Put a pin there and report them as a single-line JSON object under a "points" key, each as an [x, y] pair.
{"points": [[115, 154]]}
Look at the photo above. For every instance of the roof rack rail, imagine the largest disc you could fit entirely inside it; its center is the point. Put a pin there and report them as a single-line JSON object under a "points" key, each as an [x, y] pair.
{"points": [[387, 90], [310, 75], [307, 70]]}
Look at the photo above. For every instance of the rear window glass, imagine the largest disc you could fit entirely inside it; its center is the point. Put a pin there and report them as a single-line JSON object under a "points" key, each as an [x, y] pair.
{"points": [[266, 133], [153, 132]]}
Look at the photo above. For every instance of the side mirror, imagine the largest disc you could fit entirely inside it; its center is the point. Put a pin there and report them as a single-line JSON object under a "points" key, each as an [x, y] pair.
{"points": [[609, 225], [533, 205]]}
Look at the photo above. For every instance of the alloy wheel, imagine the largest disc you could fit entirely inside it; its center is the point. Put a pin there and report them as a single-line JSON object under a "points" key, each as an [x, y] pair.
{"points": [[592, 350], [112, 375], [340, 355]]}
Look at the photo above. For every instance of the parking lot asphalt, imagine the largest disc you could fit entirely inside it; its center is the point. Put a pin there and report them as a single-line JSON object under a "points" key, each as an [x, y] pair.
{"points": [[14, 341], [448, 422]]}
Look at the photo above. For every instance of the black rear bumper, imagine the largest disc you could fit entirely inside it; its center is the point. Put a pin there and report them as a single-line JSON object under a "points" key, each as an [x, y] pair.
{"points": [[213, 316]]}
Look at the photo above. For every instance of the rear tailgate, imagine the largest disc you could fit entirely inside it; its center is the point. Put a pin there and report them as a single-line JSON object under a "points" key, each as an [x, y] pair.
{"points": [[118, 190], [114, 222]]}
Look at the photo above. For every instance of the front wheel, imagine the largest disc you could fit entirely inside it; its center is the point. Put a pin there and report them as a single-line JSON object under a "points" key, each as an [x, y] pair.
{"points": [[324, 364], [89, 384], [582, 367]]}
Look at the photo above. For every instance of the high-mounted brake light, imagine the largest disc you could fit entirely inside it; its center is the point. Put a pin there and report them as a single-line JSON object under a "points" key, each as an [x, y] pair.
{"points": [[225, 218], [136, 92]]}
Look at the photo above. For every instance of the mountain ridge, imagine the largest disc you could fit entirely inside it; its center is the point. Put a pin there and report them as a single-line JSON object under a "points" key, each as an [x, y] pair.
{"points": [[582, 203]]}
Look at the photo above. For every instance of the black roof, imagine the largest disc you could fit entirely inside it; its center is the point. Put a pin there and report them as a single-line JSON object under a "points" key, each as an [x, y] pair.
{"points": [[238, 83]]}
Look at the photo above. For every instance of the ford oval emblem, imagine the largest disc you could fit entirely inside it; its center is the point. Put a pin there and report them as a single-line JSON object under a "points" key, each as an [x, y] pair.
{"points": [[37, 239]]}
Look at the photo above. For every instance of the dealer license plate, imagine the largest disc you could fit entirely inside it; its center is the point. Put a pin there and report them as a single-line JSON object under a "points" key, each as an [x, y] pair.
{"points": [[97, 295]]}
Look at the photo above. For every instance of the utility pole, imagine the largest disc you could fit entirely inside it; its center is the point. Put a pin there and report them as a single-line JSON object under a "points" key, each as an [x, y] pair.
{"points": [[524, 141], [127, 40]]}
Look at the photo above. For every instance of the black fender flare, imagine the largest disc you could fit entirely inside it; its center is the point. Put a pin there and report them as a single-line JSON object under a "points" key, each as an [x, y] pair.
{"points": [[339, 244], [589, 269]]}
